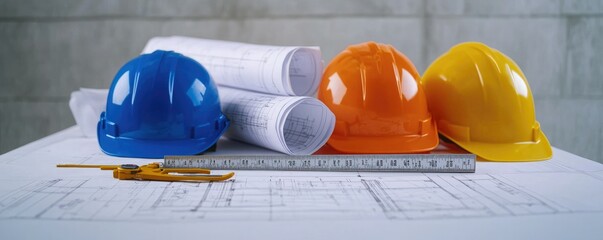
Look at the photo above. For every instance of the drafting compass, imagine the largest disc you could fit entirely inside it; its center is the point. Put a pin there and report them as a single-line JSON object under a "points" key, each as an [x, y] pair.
{"points": [[155, 172]]}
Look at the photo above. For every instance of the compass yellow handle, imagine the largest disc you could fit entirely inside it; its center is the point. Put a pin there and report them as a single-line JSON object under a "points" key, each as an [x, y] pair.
{"points": [[153, 171], [186, 170], [168, 177]]}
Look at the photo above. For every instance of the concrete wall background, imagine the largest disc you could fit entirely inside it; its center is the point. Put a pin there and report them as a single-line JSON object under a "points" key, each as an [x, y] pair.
{"points": [[50, 48]]}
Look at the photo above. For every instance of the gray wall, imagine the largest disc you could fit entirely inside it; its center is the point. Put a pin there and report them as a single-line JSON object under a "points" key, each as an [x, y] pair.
{"points": [[50, 48]]}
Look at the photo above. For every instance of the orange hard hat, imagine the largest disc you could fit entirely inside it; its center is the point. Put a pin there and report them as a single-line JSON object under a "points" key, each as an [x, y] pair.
{"points": [[378, 102]]}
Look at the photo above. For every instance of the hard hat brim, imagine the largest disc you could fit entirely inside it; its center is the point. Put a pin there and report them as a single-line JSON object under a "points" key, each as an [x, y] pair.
{"points": [[146, 148], [385, 144], [509, 152]]}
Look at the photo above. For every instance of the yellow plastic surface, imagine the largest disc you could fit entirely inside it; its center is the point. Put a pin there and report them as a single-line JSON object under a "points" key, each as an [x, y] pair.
{"points": [[378, 102], [155, 172], [481, 100]]}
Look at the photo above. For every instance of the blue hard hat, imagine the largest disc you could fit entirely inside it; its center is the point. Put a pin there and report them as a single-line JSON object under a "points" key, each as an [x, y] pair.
{"points": [[160, 104]]}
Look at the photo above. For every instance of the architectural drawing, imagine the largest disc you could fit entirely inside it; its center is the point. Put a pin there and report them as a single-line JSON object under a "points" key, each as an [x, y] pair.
{"points": [[291, 125], [34, 189], [280, 70], [255, 198]]}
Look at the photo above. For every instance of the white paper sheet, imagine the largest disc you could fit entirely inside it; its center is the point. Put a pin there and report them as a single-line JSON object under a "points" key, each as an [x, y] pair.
{"points": [[294, 71], [557, 199], [292, 125], [86, 106]]}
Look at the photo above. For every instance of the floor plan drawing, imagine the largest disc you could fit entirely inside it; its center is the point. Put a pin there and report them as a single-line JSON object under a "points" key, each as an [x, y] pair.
{"points": [[275, 198], [34, 189]]}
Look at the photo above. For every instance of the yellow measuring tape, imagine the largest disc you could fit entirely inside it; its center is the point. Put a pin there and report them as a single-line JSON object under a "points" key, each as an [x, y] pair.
{"points": [[154, 172]]}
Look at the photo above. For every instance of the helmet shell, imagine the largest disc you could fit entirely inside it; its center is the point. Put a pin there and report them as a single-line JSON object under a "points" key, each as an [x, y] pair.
{"points": [[161, 103], [482, 101], [378, 102]]}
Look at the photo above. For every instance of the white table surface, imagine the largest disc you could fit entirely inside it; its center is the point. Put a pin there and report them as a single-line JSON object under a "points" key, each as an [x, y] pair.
{"points": [[567, 183]]}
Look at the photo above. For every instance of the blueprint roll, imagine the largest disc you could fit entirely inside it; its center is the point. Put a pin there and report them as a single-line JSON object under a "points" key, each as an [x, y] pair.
{"points": [[279, 70], [291, 125]]}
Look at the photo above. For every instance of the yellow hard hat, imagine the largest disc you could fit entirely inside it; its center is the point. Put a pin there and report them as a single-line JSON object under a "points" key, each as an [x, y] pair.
{"points": [[482, 102]]}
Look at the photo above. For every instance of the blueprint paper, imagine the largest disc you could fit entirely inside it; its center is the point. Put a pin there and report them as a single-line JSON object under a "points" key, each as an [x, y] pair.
{"points": [[556, 199], [86, 106], [291, 125], [294, 71], [521, 189]]}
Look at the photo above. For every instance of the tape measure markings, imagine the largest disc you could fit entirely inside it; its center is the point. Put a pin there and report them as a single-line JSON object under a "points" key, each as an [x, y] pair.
{"points": [[453, 163]]}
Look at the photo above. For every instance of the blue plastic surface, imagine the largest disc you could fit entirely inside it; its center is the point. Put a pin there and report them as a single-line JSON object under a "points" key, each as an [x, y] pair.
{"points": [[160, 104]]}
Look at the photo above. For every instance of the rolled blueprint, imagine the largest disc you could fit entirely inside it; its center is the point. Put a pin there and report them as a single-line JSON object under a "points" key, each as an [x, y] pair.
{"points": [[293, 71], [291, 125]]}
